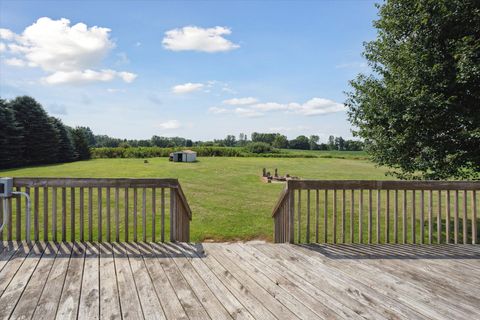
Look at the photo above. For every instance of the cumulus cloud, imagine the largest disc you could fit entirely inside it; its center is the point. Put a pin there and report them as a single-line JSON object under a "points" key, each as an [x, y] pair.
{"points": [[192, 38], [187, 87], [86, 76], [170, 125], [68, 53], [15, 62], [312, 107], [240, 101], [3, 47]]}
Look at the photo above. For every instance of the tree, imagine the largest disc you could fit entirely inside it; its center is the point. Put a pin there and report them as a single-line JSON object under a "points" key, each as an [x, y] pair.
{"points": [[331, 143], [340, 144], [280, 142], [301, 142], [65, 149], [39, 135], [88, 133], [313, 140], [80, 142], [419, 111], [229, 141], [11, 142]]}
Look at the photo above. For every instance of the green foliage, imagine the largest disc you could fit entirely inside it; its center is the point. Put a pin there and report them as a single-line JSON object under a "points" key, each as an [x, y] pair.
{"points": [[300, 143], [65, 148], [259, 147], [280, 142], [419, 110], [81, 143], [39, 135], [11, 143]]}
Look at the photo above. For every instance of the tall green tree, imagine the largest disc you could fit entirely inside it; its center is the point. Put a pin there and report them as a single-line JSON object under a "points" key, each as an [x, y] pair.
{"points": [[11, 139], [80, 143], [65, 148], [39, 135], [419, 110]]}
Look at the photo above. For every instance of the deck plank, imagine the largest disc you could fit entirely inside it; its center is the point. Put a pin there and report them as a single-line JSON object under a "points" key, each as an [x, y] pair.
{"points": [[17, 285], [48, 303], [109, 296], [29, 299], [255, 280], [70, 297], [89, 306]]}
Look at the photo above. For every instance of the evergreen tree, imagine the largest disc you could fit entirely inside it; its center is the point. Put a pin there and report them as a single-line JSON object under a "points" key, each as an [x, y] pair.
{"points": [[80, 142], [39, 135], [65, 149], [11, 143]]}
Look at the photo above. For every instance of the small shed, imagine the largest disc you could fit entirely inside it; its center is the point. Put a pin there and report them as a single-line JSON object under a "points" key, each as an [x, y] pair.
{"points": [[183, 156]]}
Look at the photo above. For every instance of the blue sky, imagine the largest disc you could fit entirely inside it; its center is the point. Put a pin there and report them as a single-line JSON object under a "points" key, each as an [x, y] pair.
{"points": [[200, 70]]}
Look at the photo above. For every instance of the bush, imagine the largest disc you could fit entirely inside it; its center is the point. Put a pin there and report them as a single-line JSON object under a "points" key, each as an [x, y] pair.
{"points": [[259, 147]]}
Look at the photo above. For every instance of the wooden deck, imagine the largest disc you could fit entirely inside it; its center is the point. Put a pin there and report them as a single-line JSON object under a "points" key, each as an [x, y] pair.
{"points": [[240, 281]]}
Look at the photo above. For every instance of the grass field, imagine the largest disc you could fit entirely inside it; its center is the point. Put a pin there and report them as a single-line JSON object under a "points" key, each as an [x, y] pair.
{"points": [[228, 199]]}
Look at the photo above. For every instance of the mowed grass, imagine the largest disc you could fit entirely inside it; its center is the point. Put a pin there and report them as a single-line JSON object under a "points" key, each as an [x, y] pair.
{"points": [[228, 199]]}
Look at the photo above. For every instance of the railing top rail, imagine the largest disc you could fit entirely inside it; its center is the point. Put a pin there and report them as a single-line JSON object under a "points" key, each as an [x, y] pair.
{"points": [[383, 185], [282, 197], [184, 201], [95, 182]]}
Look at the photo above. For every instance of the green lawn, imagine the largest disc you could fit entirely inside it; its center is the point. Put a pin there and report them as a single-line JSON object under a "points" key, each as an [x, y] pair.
{"points": [[228, 199]]}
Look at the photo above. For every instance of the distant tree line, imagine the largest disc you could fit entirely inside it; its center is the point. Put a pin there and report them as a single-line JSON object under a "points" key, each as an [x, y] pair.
{"points": [[29, 136]]}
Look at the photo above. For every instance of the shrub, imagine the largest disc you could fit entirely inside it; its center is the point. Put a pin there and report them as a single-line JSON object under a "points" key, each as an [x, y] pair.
{"points": [[259, 147]]}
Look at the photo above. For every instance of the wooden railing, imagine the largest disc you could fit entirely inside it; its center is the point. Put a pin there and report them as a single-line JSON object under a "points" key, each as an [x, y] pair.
{"points": [[377, 212], [89, 209]]}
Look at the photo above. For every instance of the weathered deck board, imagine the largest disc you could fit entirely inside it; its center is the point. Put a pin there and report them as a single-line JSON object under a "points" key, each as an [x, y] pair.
{"points": [[141, 280]]}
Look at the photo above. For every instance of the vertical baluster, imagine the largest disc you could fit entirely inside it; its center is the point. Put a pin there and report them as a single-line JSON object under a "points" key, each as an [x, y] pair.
{"points": [[72, 214], [19, 216], [135, 214], [404, 216], [291, 217], [464, 224], [35, 213], [117, 215], [447, 216], [317, 214], [90, 214], [173, 211], [154, 213], [144, 214], [439, 217], [455, 218], [378, 214], [352, 214], [10, 219], [299, 216], [100, 218], [54, 214], [64, 214], [45, 214], [325, 217], [107, 200], [307, 233], [430, 216], [1, 217], [387, 218], [369, 216], [414, 218], [422, 217], [360, 218], [82, 216], [474, 217], [126, 203], [395, 217], [343, 216], [334, 215], [163, 214]]}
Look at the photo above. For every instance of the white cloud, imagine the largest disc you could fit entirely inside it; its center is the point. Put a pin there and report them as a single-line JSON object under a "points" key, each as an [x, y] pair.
{"points": [[240, 101], [65, 51], [270, 106], [198, 39], [170, 125], [3, 47], [316, 106], [248, 113], [87, 76], [216, 110], [15, 62], [187, 87]]}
